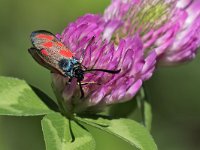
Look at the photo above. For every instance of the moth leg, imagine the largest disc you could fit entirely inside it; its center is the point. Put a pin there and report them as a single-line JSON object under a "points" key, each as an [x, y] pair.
{"points": [[81, 89], [69, 81]]}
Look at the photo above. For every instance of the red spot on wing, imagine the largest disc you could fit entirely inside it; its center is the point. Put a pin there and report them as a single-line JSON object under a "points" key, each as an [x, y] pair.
{"points": [[48, 44], [66, 53], [59, 44], [44, 36], [44, 52]]}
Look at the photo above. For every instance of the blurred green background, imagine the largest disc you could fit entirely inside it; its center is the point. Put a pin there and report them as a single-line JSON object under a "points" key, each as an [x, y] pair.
{"points": [[173, 92]]}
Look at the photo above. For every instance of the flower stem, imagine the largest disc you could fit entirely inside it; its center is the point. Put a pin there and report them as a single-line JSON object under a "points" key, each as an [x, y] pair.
{"points": [[61, 104], [140, 103]]}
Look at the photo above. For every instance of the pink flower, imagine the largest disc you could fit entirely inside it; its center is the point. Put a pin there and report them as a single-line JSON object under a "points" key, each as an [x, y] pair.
{"points": [[187, 40], [103, 88], [170, 27]]}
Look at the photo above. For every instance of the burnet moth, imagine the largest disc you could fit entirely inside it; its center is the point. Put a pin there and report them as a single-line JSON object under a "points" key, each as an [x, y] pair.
{"points": [[52, 54]]}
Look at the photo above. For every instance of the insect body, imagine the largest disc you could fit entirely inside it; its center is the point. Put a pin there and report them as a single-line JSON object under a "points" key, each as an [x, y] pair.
{"points": [[49, 52]]}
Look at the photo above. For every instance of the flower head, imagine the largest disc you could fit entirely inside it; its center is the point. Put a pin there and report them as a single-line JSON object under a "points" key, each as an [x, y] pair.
{"points": [[102, 88], [187, 40], [169, 27]]}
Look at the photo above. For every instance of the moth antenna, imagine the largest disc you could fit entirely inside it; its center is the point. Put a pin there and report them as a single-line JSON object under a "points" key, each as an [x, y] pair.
{"points": [[104, 70], [87, 69]]}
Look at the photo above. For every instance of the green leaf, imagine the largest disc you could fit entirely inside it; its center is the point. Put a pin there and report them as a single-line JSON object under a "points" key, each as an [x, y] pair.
{"points": [[18, 99], [46, 99], [97, 119], [62, 134], [128, 130]]}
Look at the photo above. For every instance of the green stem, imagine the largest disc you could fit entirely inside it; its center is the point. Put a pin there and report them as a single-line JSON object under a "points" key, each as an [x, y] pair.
{"points": [[140, 103]]}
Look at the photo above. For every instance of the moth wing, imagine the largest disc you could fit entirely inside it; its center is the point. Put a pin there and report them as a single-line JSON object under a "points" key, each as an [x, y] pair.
{"points": [[48, 50], [42, 39], [36, 55]]}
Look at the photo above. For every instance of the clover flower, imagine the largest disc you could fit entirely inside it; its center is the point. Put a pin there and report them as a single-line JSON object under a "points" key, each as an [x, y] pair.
{"points": [[170, 27], [102, 88]]}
